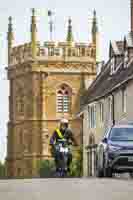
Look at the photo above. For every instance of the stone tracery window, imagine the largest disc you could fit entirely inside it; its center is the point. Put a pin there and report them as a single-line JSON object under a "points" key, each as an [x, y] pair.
{"points": [[63, 99]]}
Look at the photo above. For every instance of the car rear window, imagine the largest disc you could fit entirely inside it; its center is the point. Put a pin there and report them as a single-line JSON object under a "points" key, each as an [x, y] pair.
{"points": [[121, 134]]}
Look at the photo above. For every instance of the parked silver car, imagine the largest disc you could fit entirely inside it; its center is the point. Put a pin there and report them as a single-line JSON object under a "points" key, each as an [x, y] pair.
{"points": [[115, 151]]}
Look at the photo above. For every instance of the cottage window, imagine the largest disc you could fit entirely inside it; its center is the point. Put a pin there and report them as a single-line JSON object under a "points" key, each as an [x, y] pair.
{"points": [[124, 98], [101, 107], [63, 99], [92, 116]]}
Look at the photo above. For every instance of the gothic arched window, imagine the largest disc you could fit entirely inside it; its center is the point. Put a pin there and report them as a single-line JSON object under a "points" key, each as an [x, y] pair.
{"points": [[63, 99]]}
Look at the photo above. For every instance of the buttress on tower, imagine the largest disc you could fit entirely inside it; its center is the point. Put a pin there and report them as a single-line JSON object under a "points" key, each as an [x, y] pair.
{"points": [[46, 83]]}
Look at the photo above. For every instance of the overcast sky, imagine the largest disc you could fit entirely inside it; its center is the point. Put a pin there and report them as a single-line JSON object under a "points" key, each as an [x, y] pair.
{"points": [[113, 18]]}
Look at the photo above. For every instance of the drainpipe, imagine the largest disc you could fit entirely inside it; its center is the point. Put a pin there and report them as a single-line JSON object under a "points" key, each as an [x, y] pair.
{"points": [[113, 110]]}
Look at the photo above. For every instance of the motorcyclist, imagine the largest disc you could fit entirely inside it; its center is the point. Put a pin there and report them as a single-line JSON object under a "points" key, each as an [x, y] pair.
{"points": [[62, 132]]}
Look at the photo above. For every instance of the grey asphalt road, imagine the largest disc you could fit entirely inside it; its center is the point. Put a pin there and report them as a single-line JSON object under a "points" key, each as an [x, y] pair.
{"points": [[67, 189]]}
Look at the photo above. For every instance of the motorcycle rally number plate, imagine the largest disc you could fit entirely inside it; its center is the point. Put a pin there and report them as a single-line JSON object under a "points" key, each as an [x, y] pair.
{"points": [[63, 149]]}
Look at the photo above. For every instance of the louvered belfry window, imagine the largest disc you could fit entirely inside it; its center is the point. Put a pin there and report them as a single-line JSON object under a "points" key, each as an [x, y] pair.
{"points": [[63, 99]]}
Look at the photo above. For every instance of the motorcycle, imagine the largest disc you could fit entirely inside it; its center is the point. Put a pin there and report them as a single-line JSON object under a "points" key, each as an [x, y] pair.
{"points": [[63, 149]]}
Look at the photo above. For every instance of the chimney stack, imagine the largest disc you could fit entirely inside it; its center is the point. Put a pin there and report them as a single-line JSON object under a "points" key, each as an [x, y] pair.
{"points": [[131, 16]]}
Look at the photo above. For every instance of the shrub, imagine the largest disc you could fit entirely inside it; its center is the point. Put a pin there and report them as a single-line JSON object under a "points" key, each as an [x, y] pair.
{"points": [[2, 170], [76, 165], [46, 168]]}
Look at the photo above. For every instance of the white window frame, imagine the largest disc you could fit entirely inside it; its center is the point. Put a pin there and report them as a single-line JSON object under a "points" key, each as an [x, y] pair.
{"points": [[65, 102]]}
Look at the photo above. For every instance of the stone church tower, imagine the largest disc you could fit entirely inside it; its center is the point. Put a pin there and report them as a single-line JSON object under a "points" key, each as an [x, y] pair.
{"points": [[46, 83]]}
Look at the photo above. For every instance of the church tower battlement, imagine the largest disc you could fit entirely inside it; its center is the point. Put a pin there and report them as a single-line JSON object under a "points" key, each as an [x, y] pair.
{"points": [[51, 51]]}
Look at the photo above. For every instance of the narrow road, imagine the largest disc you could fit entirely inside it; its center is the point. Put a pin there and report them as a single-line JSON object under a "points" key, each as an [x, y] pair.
{"points": [[67, 189]]}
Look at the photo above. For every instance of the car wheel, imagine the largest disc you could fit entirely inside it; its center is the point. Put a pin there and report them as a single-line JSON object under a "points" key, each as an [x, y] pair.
{"points": [[99, 173], [99, 170], [108, 172], [131, 174]]}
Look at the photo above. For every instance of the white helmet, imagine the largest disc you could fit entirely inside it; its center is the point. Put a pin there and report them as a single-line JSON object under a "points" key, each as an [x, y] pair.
{"points": [[64, 121]]}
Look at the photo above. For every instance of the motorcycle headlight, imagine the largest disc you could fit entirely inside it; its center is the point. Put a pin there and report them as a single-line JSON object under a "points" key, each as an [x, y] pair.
{"points": [[113, 148]]}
